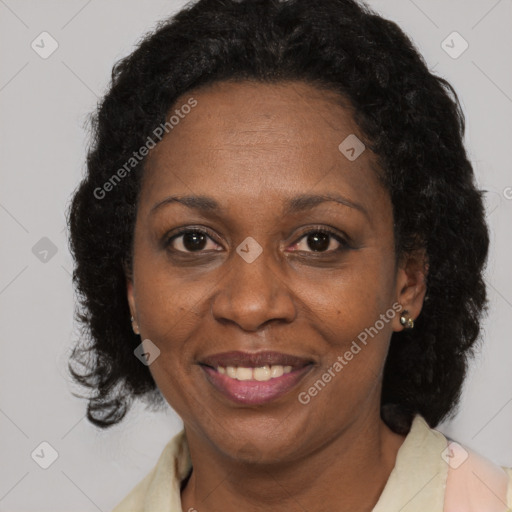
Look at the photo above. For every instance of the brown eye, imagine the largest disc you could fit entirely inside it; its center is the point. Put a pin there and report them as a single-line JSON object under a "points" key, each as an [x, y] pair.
{"points": [[320, 240], [191, 240]]}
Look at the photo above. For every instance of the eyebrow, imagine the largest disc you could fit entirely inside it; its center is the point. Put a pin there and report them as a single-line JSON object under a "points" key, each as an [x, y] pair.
{"points": [[292, 205]]}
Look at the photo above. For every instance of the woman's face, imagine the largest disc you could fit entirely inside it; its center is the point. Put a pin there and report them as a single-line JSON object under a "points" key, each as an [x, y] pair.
{"points": [[276, 271]]}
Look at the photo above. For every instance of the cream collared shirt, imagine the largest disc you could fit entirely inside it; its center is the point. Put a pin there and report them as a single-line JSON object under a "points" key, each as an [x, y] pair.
{"points": [[431, 474]]}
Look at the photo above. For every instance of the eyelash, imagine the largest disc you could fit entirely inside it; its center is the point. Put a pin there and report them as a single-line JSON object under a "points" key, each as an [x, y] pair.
{"points": [[343, 242]]}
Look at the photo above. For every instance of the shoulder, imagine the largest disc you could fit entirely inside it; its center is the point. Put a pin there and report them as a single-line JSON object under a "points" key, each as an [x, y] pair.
{"points": [[474, 483], [159, 490], [433, 472], [134, 501]]}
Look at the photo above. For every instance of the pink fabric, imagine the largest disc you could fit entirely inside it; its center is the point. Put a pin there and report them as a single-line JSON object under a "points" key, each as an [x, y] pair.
{"points": [[474, 484]]}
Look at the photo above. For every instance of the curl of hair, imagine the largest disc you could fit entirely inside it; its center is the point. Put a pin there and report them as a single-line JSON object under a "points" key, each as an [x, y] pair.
{"points": [[410, 118]]}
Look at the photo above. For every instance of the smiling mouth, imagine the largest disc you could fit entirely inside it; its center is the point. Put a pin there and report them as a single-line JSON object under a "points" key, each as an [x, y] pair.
{"points": [[254, 386], [254, 378]]}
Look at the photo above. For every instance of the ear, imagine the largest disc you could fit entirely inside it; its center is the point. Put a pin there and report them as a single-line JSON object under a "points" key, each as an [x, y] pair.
{"points": [[411, 285], [130, 295]]}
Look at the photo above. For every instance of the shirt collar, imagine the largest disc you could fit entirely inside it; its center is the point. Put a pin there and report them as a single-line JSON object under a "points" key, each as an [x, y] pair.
{"points": [[416, 483], [418, 480]]}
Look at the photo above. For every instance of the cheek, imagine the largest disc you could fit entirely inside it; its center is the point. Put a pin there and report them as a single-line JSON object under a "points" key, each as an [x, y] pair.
{"points": [[354, 297], [348, 313], [168, 318], [166, 305], [356, 324]]}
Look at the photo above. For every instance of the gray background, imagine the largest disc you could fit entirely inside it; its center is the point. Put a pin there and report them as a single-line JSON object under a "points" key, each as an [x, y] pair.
{"points": [[44, 105]]}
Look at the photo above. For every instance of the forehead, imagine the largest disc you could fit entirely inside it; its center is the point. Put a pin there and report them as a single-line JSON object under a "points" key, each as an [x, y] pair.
{"points": [[248, 140]]}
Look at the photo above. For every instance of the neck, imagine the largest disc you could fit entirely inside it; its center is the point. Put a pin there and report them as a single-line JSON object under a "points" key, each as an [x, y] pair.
{"points": [[350, 470]]}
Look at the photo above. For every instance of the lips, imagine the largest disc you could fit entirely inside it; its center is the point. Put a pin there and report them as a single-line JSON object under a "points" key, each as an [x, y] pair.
{"points": [[255, 360], [254, 378]]}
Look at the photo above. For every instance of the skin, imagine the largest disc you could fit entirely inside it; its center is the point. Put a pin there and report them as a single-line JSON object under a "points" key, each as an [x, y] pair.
{"points": [[251, 146]]}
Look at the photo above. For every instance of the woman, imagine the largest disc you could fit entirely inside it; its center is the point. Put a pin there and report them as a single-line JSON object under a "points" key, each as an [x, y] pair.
{"points": [[279, 234]]}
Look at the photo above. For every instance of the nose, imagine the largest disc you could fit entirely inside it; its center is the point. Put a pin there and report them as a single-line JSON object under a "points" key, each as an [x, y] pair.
{"points": [[253, 294]]}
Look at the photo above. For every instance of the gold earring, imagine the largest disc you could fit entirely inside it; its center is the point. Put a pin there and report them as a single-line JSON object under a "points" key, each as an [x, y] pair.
{"points": [[406, 321], [135, 327]]}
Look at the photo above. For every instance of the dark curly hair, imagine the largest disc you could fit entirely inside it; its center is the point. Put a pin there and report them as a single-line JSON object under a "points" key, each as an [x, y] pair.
{"points": [[411, 120]]}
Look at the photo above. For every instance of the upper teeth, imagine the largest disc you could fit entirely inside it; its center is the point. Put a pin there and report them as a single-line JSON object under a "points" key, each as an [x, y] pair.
{"points": [[262, 373]]}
